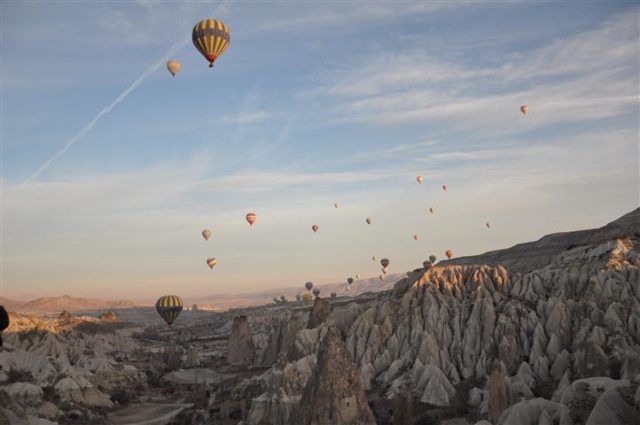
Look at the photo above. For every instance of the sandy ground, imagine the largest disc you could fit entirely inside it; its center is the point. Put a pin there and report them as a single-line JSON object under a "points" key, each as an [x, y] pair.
{"points": [[147, 413]]}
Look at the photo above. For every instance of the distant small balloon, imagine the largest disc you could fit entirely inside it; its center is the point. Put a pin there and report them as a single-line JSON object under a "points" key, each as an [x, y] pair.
{"points": [[357, 276], [308, 285], [488, 225], [384, 262], [350, 280], [431, 210], [415, 237], [426, 264], [335, 205], [432, 258], [374, 258], [420, 179], [173, 66], [524, 109], [206, 234], [368, 220], [298, 297], [334, 295], [211, 262], [315, 228], [251, 218], [449, 253], [444, 187], [316, 292]]}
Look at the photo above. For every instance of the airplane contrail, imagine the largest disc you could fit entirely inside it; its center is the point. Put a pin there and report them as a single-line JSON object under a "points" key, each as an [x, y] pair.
{"points": [[114, 103]]}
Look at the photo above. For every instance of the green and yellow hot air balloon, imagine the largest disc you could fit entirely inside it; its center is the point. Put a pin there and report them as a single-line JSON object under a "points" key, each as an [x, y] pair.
{"points": [[169, 308], [211, 37]]}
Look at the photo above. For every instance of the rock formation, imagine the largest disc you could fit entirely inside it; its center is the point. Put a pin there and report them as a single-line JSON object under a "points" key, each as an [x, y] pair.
{"points": [[334, 394], [241, 350], [320, 313]]}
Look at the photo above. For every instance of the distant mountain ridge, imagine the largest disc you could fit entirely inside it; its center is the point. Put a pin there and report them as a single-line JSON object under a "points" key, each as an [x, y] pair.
{"points": [[528, 256], [64, 302]]}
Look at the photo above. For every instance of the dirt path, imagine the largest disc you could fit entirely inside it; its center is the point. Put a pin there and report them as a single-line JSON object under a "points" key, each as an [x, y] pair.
{"points": [[147, 413]]}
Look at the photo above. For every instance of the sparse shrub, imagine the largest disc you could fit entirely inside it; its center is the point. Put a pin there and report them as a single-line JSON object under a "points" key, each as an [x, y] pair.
{"points": [[20, 375]]}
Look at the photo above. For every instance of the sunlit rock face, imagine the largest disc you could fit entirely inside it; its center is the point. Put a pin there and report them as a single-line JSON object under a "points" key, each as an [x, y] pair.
{"points": [[524, 337]]}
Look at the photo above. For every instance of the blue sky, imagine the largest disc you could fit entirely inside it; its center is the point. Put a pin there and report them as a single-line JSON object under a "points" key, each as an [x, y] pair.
{"points": [[313, 103]]}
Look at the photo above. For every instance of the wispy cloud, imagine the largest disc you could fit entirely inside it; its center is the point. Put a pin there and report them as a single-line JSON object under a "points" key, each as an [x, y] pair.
{"points": [[252, 117]]}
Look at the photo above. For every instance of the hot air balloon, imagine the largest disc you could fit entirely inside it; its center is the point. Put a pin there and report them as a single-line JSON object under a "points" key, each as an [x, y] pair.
{"points": [[415, 237], [169, 308], [444, 187], [308, 285], [173, 66], [368, 220], [211, 37], [420, 179], [357, 276], [316, 292], [432, 258], [374, 258], [488, 225], [306, 298], [283, 298], [251, 218], [350, 280], [315, 228], [449, 253], [206, 234], [524, 109], [426, 264], [431, 210], [384, 262], [276, 300], [298, 297], [335, 205], [211, 262], [334, 295]]}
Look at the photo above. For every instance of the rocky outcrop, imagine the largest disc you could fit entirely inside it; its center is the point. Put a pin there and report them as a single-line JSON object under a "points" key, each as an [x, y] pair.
{"points": [[241, 350], [498, 391], [334, 394], [320, 313]]}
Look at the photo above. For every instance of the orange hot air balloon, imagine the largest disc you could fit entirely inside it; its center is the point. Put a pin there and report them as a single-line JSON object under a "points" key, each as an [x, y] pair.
{"points": [[251, 218], [524, 109], [173, 66], [315, 228], [448, 253], [444, 187], [420, 179], [211, 262]]}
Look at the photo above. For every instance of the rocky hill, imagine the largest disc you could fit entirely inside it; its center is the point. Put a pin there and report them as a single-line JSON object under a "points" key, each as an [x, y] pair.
{"points": [[65, 302]]}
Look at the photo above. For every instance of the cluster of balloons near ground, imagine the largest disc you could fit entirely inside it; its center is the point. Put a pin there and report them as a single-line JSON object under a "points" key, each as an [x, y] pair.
{"points": [[211, 37]]}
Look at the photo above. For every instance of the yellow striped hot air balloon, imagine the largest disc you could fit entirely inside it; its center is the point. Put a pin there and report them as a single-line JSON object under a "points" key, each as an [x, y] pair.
{"points": [[173, 66], [211, 37], [169, 308]]}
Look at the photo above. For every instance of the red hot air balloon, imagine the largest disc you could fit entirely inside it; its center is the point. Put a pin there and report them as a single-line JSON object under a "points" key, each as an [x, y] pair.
{"points": [[448, 253], [251, 218], [315, 228]]}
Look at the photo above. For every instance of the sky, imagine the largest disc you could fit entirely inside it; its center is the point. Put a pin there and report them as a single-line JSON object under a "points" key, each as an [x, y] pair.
{"points": [[111, 168]]}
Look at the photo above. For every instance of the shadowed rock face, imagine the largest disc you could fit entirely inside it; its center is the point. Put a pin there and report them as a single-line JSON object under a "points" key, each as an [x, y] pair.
{"points": [[498, 391], [334, 394], [241, 351], [320, 313]]}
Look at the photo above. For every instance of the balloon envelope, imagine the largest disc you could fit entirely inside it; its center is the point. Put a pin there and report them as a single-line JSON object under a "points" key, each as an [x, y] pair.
{"points": [[415, 237], [206, 234], [173, 66], [335, 205], [306, 298], [431, 210], [350, 280], [308, 285], [251, 218], [432, 258], [449, 253], [524, 109], [487, 224], [368, 220], [384, 262], [211, 37], [316, 292], [315, 227], [211, 262], [420, 179], [169, 308], [444, 187]]}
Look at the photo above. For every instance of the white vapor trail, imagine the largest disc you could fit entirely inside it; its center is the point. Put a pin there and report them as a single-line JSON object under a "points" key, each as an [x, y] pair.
{"points": [[179, 45]]}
